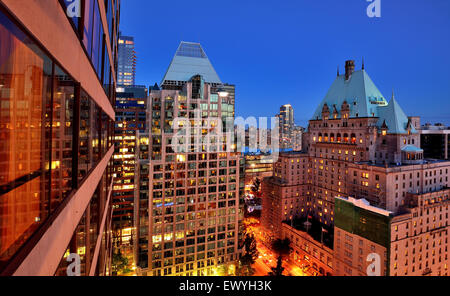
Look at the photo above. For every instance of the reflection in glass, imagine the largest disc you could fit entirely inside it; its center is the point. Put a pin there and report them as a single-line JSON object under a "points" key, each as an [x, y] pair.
{"points": [[86, 136], [24, 137], [62, 137]]}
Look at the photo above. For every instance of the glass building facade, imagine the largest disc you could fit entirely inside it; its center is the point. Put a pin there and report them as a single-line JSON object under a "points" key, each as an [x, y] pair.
{"points": [[126, 69], [131, 106], [56, 127]]}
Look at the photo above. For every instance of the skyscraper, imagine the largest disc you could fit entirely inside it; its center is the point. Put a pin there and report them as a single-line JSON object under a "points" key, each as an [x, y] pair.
{"points": [[56, 126], [194, 207], [131, 108], [126, 68], [286, 126]]}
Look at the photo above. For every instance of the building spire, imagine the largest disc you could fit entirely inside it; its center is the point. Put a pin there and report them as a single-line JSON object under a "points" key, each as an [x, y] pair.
{"points": [[338, 71], [363, 63]]}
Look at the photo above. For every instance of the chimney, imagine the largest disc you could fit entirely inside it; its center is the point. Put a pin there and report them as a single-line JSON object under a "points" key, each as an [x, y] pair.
{"points": [[349, 68]]}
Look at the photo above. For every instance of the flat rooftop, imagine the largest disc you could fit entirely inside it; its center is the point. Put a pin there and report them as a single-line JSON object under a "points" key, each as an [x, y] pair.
{"points": [[394, 165]]}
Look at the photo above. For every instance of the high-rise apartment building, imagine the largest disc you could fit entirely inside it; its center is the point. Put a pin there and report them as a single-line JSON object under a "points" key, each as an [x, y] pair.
{"points": [[286, 126], [359, 145], [126, 67], [131, 117], [194, 207], [57, 92]]}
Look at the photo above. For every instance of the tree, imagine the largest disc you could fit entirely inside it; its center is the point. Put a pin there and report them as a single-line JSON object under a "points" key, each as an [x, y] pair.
{"points": [[251, 253], [119, 264], [250, 247], [283, 248]]}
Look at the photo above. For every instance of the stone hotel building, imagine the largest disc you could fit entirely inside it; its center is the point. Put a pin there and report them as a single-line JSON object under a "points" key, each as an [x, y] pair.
{"points": [[360, 145]]}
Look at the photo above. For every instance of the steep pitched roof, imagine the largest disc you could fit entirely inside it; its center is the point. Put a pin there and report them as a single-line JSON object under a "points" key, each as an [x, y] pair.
{"points": [[189, 60], [396, 120], [360, 93], [365, 100]]}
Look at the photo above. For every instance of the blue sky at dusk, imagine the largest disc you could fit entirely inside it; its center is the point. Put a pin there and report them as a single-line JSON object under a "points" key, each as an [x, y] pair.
{"points": [[279, 52]]}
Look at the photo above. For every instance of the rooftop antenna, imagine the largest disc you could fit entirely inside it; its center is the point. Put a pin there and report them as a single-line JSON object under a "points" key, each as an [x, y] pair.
{"points": [[363, 63], [338, 71]]}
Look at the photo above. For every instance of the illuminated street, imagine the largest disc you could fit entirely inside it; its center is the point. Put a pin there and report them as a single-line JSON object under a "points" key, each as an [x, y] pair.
{"points": [[267, 258]]}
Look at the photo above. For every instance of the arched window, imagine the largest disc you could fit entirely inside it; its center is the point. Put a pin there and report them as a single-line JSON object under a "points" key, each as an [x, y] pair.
{"points": [[320, 137], [339, 138], [325, 138], [332, 137], [346, 138], [353, 139]]}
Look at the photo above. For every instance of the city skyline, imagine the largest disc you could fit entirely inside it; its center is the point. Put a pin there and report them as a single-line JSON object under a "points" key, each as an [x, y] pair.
{"points": [[263, 49]]}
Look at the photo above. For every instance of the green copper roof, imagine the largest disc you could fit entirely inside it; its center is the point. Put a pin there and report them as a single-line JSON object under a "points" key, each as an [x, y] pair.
{"points": [[190, 60], [396, 119], [411, 148], [358, 91], [364, 100]]}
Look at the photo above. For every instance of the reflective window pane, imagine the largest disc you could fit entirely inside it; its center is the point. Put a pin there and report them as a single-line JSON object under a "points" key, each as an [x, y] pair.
{"points": [[25, 87], [86, 137], [62, 137]]}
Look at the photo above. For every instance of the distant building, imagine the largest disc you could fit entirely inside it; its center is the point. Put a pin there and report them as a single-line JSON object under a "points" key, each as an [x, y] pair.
{"points": [[126, 67], [284, 193], [286, 125], [131, 108], [435, 141], [141, 201], [257, 165], [257, 139], [297, 137]]}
